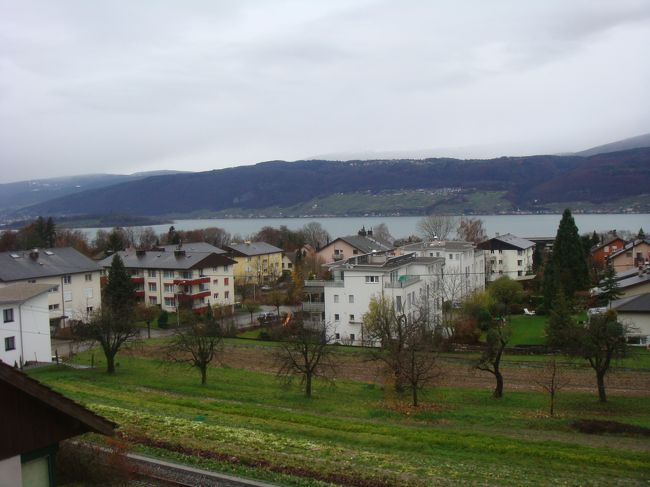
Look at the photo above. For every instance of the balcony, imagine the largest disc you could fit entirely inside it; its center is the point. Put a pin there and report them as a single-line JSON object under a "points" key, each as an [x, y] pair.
{"points": [[192, 282], [192, 297], [139, 293], [313, 307], [336, 257], [137, 279], [402, 282], [316, 283]]}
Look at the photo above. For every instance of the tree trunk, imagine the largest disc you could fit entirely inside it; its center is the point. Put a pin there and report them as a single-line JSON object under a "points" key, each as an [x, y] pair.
{"points": [[552, 411], [498, 390], [204, 375], [600, 378], [308, 385], [110, 363], [414, 393]]}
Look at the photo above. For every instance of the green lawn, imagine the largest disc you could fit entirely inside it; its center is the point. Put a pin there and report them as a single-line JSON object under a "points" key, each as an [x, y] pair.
{"points": [[356, 433], [527, 330]]}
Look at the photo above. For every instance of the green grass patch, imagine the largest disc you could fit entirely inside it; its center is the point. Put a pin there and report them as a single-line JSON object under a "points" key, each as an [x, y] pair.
{"points": [[457, 437]]}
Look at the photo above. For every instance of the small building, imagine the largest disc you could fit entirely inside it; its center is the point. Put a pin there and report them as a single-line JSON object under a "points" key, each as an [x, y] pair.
{"points": [[508, 255], [601, 252], [345, 247], [75, 280], [167, 278], [635, 312], [34, 420], [634, 282], [256, 262], [25, 325], [632, 255]]}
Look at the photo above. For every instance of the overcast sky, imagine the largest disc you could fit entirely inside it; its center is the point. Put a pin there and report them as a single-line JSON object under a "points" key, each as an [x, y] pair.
{"points": [[125, 86]]}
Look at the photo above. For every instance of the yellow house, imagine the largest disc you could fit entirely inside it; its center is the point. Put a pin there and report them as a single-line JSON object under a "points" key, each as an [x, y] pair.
{"points": [[257, 262]]}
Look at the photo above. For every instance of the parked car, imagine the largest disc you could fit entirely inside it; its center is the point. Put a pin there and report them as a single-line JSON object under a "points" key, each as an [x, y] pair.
{"points": [[267, 316], [266, 288]]}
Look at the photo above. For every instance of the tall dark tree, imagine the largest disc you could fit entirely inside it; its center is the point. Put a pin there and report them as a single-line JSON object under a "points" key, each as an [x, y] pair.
{"points": [[567, 268], [610, 289], [114, 324], [50, 233], [641, 234]]}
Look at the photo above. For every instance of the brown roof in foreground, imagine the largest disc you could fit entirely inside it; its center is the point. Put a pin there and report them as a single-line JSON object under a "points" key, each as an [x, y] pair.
{"points": [[20, 390], [22, 291]]}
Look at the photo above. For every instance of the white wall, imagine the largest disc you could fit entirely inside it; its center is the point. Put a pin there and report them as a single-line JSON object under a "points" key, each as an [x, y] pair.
{"points": [[512, 263], [640, 324], [31, 331], [10, 472]]}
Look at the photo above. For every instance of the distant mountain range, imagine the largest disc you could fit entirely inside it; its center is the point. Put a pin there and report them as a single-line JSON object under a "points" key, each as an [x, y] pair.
{"points": [[388, 187]]}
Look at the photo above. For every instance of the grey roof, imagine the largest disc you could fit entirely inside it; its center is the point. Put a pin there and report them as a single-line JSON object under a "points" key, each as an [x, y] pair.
{"points": [[640, 303], [628, 246], [193, 247], [634, 280], [22, 291], [361, 262], [455, 245], [365, 244], [511, 239], [20, 265], [153, 259], [254, 248]]}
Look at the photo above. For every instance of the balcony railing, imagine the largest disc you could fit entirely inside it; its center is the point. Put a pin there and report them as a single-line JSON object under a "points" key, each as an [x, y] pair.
{"points": [[321, 283], [192, 297], [313, 307], [337, 256], [137, 279], [403, 281], [191, 282]]}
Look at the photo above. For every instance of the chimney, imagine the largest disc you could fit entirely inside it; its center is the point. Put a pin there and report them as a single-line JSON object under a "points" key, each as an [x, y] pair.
{"points": [[140, 253], [179, 253], [34, 254]]}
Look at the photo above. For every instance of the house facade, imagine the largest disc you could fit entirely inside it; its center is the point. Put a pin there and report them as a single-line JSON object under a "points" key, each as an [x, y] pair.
{"points": [[407, 280], [463, 271], [75, 280], [632, 255], [601, 252], [508, 255], [25, 324], [345, 247], [634, 311], [256, 262], [172, 278]]}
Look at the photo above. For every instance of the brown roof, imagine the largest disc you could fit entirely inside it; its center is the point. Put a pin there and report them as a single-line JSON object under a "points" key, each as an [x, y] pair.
{"points": [[22, 291]]}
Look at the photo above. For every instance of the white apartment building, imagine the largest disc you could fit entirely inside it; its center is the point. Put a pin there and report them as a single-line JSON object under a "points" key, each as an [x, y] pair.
{"points": [[25, 324], [74, 278], [463, 271], [406, 280], [508, 255], [165, 278]]}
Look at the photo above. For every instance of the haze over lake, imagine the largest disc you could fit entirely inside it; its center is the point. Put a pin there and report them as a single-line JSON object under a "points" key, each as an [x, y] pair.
{"points": [[520, 225]]}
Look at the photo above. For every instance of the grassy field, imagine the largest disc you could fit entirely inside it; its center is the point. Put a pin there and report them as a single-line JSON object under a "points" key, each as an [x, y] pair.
{"points": [[357, 433]]}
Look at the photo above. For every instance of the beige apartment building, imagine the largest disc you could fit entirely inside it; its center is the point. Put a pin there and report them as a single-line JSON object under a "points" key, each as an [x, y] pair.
{"points": [[74, 278]]}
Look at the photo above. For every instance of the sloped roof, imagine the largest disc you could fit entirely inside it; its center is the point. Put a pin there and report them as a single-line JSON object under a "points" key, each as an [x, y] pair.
{"points": [[513, 240], [628, 246], [22, 291], [154, 259], [19, 265], [193, 247], [454, 245], [639, 304], [365, 244], [254, 248], [607, 241]]}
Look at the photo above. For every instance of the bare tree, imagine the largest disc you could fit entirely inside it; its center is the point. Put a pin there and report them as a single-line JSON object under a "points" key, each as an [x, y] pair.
{"points": [[437, 226], [197, 345], [405, 344], [251, 307], [315, 235], [382, 233], [276, 298], [303, 353], [551, 380], [471, 230], [146, 238], [147, 314]]}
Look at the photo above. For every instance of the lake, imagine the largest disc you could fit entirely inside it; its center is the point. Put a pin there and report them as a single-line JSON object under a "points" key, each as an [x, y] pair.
{"points": [[520, 225]]}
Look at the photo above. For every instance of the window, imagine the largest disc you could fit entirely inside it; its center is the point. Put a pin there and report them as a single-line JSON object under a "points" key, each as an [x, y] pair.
{"points": [[520, 252], [351, 298], [89, 309], [351, 317], [226, 295], [153, 300], [187, 274], [352, 337], [215, 282], [398, 303], [8, 315], [54, 289], [628, 254], [151, 273], [168, 273], [216, 295], [336, 298], [519, 262], [451, 256], [10, 343], [152, 287], [67, 279], [355, 252], [226, 281], [225, 268], [336, 317], [169, 288], [53, 307], [170, 302], [430, 254], [67, 296], [520, 273], [500, 261], [337, 336], [215, 269], [88, 277], [248, 259], [372, 279]]}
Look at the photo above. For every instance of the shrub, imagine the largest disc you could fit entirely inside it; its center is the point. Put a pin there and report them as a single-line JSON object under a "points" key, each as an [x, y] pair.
{"points": [[163, 319]]}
